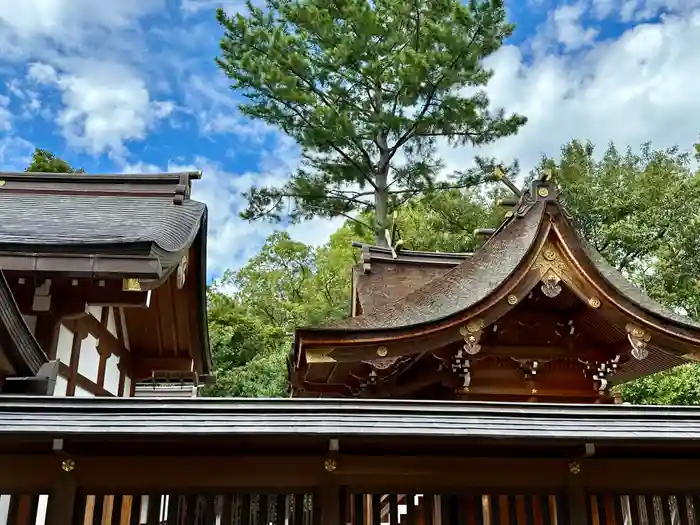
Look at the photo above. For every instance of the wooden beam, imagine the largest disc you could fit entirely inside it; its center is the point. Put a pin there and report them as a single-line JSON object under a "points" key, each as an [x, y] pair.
{"points": [[143, 367], [90, 293], [110, 343], [125, 474]]}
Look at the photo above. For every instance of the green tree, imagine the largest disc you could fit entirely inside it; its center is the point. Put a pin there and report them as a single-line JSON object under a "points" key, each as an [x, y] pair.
{"points": [[46, 162], [287, 284], [366, 89]]}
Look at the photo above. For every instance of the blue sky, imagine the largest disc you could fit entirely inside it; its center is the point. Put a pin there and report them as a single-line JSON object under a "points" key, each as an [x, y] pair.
{"points": [[131, 85]]}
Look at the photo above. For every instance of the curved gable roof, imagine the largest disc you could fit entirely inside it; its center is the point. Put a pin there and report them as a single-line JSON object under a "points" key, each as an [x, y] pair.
{"points": [[481, 275]]}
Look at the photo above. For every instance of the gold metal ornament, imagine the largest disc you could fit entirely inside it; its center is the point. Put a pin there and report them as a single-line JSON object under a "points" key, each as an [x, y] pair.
{"points": [[382, 351], [639, 339], [330, 465], [475, 325], [512, 300], [131, 284], [471, 334], [543, 192], [68, 465], [575, 467], [2, 183], [549, 254], [594, 302]]}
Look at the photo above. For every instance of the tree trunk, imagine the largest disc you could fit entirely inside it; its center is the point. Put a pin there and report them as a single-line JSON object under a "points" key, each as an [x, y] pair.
{"points": [[381, 210]]}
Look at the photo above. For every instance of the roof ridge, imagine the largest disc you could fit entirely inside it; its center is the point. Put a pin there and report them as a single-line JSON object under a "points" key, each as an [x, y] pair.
{"points": [[99, 177]]}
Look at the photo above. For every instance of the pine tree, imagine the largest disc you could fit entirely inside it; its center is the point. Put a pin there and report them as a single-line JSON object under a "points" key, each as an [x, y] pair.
{"points": [[366, 88]]}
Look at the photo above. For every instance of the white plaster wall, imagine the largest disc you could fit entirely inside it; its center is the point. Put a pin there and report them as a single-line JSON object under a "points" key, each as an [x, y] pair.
{"points": [[31, 322], [95, 311], [111, 322], [111, 383], [89, 363], [81, 392], [61, 387], [64, 345], [127, 387], [125, 332]]}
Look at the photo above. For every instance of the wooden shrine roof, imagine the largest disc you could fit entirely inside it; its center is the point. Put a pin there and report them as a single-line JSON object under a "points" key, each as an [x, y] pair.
{"points": [[84, 418], [17, 342], [126, 227], [131, 216], [537, 239]]}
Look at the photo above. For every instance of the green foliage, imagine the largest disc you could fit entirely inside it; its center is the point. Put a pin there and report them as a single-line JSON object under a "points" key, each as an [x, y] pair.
{"points": [[679, 386], [446, 221], [287, 284], [629, 206], [366, 89], [635, 208], [46, 162]]}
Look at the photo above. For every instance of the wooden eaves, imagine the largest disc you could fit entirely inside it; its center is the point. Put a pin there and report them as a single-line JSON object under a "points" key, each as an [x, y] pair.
{"points": [[538, 239]]}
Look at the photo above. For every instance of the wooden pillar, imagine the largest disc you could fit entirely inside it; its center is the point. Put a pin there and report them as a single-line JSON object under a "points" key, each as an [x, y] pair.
{"points": [[330, 497], [575, 495], [61, 504]]}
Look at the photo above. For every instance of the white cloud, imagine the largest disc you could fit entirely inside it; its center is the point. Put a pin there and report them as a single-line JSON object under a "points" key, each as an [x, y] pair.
{"points": [[643, 86], [87, 51], [68, 22], [569, 29], [104, 104]]}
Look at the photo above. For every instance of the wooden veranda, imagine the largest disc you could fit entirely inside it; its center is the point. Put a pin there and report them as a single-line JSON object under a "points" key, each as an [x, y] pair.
{"points": [[321, 462]]}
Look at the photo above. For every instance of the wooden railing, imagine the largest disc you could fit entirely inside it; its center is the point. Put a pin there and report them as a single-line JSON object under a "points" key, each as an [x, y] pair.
{"points": [[456, 508], [644, 509], [144, 490]]}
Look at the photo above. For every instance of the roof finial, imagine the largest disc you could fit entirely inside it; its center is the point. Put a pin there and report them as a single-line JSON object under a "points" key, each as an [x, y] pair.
{"points": [[500, 175]]}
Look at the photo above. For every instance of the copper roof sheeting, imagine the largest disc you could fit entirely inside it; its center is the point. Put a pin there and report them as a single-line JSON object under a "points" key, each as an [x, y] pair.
{"points": [[82, 418], [149, 215]]}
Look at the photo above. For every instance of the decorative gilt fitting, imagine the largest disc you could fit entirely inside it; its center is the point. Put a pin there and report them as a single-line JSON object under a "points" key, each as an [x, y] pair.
{"points": [[575, 467], [382, 351], [639, 339], [475, 325], [471, 334], [68, 465], [534, 390], [551, 286], [2, 183], [330, 465], [543, 192], [594, 302], [131, 284], [512, 300], [549, 254]]}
